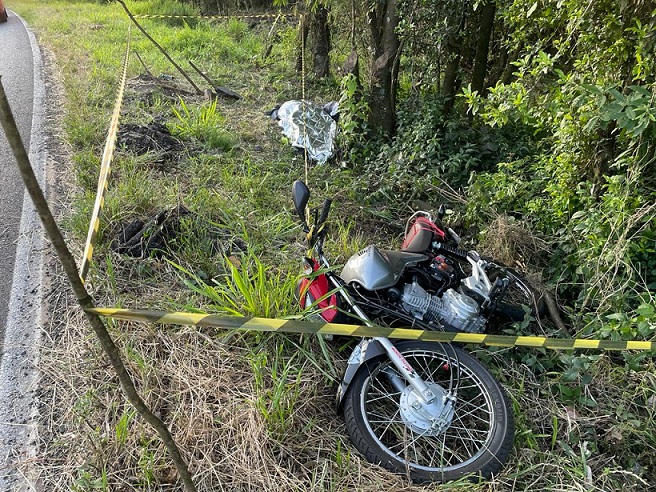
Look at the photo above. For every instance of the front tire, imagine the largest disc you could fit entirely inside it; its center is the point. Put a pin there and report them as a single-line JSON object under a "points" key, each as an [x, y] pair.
{"points": [[476, 442]]}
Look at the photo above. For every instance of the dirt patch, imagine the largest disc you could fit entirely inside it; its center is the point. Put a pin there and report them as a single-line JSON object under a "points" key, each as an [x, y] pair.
{"points": [[159, 234], [152, 138], [139, 238]]}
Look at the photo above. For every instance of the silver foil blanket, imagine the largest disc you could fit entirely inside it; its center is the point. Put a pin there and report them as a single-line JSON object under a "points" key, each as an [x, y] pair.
{"points": [[319, 124]]}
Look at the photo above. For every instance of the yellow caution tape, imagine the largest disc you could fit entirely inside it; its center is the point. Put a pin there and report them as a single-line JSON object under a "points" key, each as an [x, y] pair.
{"points": [[105, 169], [236, 16], [297, 326]]}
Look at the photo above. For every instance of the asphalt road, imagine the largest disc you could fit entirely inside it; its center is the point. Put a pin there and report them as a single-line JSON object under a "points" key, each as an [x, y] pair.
{"points": [[22, 246], [17, 76]]}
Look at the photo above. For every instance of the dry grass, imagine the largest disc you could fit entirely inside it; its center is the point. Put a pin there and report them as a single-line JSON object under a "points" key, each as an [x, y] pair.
{"points": [[216, 394], [216, 391], [511, 242]]}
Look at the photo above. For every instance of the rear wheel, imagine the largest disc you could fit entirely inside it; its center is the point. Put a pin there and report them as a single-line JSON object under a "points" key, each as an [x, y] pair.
{"points": [[520, 297], [474, 438]]}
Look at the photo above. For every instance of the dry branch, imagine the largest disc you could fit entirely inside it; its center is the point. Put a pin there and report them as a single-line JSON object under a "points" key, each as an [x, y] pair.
{"points": [[178, 68], [218, 90]]}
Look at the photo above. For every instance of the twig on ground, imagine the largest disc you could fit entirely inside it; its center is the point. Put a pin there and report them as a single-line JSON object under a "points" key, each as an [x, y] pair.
{"points": [[143, 65]]}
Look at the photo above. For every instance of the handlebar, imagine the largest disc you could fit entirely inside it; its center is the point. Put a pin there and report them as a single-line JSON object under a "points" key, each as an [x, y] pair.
{"points": [[324, 211], [453, 251]]}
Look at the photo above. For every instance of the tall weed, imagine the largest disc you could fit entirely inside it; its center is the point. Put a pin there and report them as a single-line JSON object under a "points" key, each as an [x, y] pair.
{"points": [[203, 124], [249, 288]]}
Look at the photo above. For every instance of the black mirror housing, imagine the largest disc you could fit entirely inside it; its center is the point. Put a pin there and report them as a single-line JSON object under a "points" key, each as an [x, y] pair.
{"points": [[301, 197]]}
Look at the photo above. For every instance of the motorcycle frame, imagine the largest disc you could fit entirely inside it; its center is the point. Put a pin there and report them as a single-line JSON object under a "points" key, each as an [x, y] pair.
{"points": [[386, 345]]}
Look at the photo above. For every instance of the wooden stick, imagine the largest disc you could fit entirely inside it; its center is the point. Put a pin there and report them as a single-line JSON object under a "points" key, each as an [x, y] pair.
{"points": [[199, 72], [179, 69], [217, 89], [143, 65]]}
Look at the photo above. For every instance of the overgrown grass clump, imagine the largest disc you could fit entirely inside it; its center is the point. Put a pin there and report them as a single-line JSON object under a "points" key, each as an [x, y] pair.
{"points": [[255, 411]]}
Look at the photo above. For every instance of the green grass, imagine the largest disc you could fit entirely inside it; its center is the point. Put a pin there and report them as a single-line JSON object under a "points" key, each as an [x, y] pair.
{"points": [[203, 124], [248, 288]]}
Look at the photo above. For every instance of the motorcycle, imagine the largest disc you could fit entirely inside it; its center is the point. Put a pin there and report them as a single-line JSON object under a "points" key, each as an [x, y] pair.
{"points": [[428, 410]]}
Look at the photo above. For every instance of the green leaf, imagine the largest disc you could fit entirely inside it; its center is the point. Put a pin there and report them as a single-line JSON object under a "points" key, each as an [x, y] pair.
{"points": [[640, 89], [629, 125], [630, 113], [617, 95], [594, 89], [646, 310], [532, 9], [645, 329], [590, 125]]}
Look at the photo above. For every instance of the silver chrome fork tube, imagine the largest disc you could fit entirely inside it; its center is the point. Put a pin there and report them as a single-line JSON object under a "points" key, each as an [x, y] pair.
{"points": [[393, 353]]}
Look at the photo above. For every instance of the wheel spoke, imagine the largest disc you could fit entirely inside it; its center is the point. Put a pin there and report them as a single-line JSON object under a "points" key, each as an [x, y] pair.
{"points": [[385, 396], [460, 442], [456, 455], [389, 424], [471, 413], [446, 452], [441, 449], [404, 441], [468, 429], [465, 436], [466, 408]]}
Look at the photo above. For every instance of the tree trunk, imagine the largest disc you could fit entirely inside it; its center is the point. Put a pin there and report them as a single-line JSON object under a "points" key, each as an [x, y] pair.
{"points": [[453, 56], [321, 42], [450, 80], [483, 46], [499, 65], [383, 21], [509, 69]]}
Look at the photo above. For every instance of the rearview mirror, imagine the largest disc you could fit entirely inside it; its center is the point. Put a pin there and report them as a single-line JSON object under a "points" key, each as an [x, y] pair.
{"points": [[301, 197]]}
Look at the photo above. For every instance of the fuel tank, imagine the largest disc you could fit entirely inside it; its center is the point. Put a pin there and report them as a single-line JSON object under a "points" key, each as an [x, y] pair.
{"points": [[375, 268]]}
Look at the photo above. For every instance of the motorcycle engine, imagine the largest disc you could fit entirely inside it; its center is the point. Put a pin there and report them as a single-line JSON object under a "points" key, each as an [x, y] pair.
{"points": [[453, 308]]}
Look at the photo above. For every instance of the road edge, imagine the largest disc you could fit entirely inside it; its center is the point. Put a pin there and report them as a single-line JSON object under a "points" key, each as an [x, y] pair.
{"points": [[19, 366]]}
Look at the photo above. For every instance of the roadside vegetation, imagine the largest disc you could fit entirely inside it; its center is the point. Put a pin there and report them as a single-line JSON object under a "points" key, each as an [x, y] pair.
{"points": [[550, 168]]}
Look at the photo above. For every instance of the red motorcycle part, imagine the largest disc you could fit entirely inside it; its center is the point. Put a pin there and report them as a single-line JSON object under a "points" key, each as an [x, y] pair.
{"points": [[421, 235], [308, 290]]}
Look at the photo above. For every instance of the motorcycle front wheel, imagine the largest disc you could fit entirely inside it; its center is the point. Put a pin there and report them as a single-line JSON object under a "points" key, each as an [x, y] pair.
{"points": [[479, 434]]}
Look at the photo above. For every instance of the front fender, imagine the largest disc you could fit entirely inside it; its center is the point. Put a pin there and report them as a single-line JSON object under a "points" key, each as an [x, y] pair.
{"points": [[367, 349]]}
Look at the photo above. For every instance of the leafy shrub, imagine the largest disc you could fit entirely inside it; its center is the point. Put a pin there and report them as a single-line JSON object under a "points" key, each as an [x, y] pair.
{"points": [[431, 147], [590, 188]]}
